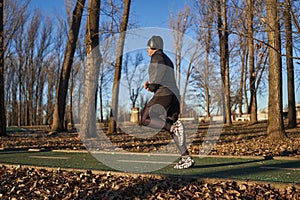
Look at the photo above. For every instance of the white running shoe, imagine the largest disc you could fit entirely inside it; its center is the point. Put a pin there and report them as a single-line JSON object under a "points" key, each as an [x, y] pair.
{"points": [[185, 162], [178, 129]]}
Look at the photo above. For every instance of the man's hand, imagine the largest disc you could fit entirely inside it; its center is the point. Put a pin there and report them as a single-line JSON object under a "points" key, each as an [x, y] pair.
{"points": [[146, 84]]}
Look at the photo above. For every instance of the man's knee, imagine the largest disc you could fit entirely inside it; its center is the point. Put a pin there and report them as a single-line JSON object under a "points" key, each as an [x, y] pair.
{"points": [[173, 117], [145, 122]]}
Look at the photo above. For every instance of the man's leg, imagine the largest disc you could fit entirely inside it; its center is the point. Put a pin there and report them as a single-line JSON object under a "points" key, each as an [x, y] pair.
{"points": [[176, 127], [179, 137], [155, 113], [153, 117], [178, 134]]}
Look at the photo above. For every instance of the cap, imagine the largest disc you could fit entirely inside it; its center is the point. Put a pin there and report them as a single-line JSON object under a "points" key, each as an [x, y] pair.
{"points": [[155, 42]]}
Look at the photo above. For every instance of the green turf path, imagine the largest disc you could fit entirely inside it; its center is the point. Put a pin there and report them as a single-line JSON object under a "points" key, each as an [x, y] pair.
{"points": [[252, 169]]}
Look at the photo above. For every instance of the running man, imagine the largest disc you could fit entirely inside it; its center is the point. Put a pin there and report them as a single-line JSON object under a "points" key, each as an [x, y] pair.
{"points": [[163, 109]]}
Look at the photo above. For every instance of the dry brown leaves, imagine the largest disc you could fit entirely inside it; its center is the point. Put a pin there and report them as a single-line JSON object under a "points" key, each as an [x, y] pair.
{"points": [[31, 183]]}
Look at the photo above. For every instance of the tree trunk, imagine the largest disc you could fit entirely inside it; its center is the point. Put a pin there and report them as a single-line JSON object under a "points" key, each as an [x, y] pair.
{"points": [[118, 68], [220, 34], [62, 89], [14, 114], [242, 77], [289, 65], [20, 99], [71, 101], [2, 102], [39, 101], [188, 73], [207, 74], [180, 24], [275, 116], [224, 58], [50, 101], [227, 75], [206, 19], [245, 93], [93, 63], [253, 102], [101, 104]]}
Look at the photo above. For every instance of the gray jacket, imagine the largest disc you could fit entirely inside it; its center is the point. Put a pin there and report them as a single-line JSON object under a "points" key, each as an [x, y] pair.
{"points": [[161, 75]]}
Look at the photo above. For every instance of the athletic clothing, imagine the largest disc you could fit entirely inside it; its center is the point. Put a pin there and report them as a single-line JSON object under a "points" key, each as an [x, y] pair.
{"points": [[161, 75], [163, 109]]}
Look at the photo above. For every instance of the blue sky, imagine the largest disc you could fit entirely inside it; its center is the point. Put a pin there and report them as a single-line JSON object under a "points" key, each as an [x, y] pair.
{"points": [[147, 13], [154, 13]]}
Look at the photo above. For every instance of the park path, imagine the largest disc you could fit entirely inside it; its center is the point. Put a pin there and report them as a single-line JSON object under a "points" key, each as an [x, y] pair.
{"points": [[279, 169]]}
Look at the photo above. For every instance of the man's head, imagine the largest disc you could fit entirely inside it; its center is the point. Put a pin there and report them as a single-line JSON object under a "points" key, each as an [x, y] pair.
{"points": [[155, 43]]}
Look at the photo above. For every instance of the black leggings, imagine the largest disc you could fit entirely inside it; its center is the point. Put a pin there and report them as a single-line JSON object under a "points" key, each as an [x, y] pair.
{"points": [[161, 112]]}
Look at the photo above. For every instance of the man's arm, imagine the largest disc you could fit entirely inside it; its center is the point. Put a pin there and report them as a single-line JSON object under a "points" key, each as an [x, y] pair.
{"points": [[156, 73], [151, 87]]}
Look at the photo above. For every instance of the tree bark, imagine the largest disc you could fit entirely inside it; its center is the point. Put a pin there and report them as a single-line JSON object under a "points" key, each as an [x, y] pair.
{"points": [[207, 69], [224, 58], [290, 65], [71, 117], [2, 102], [101, 104], [118, 68], [275, 117], [253, 102], [14, 115], [242, 76], [93, 62], [62, 89]]}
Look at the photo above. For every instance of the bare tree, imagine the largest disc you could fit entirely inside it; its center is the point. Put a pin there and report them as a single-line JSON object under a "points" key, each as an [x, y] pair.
{"points": [[252, 55], [205, 80], [93, 62], [134, 76], [51, 82], [179, 24], [275, 123], [105, 76], [205, 34], [110, 25], [11, 86], [62, 88], [19, 45], [43, 49], [188, 74], [54, 62], [295, 17], [290, 65], [76, 80], [224, 56], [12, 24], [31, 69], [92, 26], [118, 68], [2, 102], [250, 40], [242, 88]]}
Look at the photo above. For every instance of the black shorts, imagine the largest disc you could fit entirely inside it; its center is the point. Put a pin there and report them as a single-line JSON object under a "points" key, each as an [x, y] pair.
{"points": [[167, 107]]}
